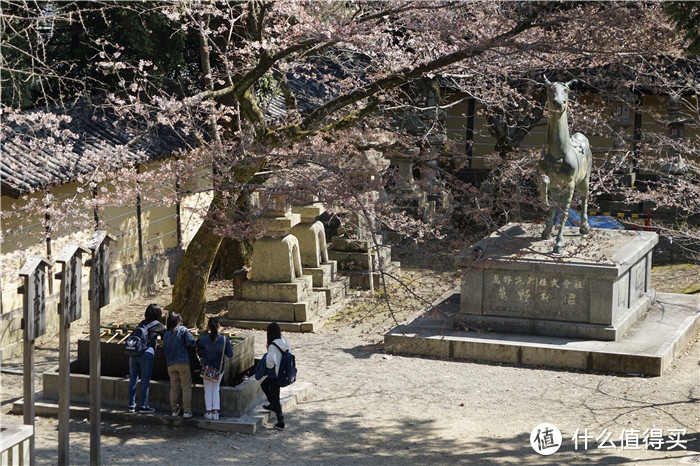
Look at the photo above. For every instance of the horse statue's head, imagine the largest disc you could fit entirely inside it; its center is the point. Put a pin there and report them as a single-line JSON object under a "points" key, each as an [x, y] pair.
{"points": [[558, 95]]}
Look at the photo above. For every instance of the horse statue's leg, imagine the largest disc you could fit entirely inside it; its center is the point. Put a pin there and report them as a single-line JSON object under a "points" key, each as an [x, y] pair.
{"points": [[584, 229], [550, 209], [566, 197]]}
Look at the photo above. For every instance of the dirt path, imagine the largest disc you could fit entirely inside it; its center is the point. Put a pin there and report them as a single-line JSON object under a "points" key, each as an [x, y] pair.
{"points": [[367, 406]]}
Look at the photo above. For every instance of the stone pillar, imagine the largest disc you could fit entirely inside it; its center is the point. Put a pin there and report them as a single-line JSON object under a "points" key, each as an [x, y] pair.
{"points": [[436, 190]]}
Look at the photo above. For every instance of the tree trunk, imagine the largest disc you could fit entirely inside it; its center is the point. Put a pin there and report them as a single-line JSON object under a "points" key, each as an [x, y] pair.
{"points": [[190, 290], [232, 256]]}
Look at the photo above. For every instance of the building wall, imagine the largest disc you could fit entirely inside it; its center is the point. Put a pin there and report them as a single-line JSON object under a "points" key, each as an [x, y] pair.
{"points": [[654, 109], [132, 272]]}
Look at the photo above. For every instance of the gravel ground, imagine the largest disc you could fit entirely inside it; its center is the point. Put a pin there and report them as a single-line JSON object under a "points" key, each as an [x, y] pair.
{"points": [[367, 406]]}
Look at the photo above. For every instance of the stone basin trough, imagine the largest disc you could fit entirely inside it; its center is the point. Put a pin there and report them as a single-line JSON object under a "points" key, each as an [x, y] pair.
{"points": [[238, 392]]}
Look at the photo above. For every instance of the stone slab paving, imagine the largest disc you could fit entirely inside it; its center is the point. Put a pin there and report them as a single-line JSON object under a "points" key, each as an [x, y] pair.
{"points": [[647, 348], [249, 423]]}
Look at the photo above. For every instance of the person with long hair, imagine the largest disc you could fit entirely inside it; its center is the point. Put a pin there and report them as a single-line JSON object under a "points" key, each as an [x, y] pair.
{"points": [[142, 366], [276, 345], [175, 342], [213, 344]]}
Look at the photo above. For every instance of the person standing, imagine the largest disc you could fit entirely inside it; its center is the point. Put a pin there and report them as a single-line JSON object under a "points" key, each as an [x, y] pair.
{"points": [[213, 345], [175, 342], [142, 366], [276, 345]]}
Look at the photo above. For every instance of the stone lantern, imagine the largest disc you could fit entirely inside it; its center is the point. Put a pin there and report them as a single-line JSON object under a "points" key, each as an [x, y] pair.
{"points": [[358, 248], [407, 195]]}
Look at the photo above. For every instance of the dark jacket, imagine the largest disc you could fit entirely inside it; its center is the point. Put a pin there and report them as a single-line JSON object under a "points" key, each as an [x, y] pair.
{"points": [[211, 350], [153, 332]]}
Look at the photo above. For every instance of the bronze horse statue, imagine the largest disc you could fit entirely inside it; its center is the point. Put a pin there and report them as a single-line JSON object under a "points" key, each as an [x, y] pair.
{"points": [[566, 163]]}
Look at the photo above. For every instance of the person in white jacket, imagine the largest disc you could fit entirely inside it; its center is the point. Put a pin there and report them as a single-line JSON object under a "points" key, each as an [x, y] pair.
{"points": [[276, 344]]}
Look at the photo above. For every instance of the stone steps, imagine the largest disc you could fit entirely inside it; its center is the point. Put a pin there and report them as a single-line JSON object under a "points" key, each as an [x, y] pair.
{"points": [[248, 423], [335, 291]]}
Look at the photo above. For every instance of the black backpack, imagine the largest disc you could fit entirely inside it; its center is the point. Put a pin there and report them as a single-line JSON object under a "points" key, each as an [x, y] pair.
{"points": [[137, 342], [287, 373]]}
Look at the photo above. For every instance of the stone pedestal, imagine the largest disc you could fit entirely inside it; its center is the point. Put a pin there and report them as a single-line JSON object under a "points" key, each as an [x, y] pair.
{"points": [[356, 257], [314, 255], [277, 289], [596, 290]]}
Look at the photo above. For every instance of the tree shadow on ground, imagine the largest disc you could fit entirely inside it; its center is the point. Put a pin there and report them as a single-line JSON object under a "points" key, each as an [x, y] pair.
{"points": [[365, 351], [214, 308], [321, 437]]}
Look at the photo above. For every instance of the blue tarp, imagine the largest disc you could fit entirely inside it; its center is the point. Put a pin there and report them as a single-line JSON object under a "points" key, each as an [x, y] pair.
{"points": [[594, 221]]}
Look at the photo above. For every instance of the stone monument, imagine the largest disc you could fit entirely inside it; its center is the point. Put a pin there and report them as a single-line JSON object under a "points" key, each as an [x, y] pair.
{"points": [[407, 194], [361, 255], [596, 290], [277, 290]]}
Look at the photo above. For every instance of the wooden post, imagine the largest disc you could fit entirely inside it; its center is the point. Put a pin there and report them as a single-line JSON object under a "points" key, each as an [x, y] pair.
{"points": [[70, 310], [34, 323], [99, 297]]}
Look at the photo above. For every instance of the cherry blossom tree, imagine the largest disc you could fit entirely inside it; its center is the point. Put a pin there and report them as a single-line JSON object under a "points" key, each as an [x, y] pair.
{"points": [[228, 65]]}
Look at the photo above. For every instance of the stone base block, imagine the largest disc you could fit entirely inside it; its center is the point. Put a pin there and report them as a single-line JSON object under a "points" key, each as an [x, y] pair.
{"points": [[335, 291], [649, 347], [278, 226], [324, 275], [285, 292], [360, 279], [341, 243], [276, 310], [248, 423], [555, 328], [348, 260], [309, 213], [597, 288]]}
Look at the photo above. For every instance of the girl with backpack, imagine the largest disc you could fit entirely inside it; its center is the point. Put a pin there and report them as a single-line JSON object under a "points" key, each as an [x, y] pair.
{"points": [[142, 365], [276, 344], [175, 343], [213, 346]]}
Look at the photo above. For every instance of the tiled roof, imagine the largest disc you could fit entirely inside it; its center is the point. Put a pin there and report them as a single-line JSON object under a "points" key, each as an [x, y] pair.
{"points": [[24, 168], [319, 80], [26, 165]]}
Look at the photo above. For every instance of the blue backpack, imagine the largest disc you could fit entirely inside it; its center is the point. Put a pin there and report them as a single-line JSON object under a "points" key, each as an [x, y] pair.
{"points": [[287, 373]]}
